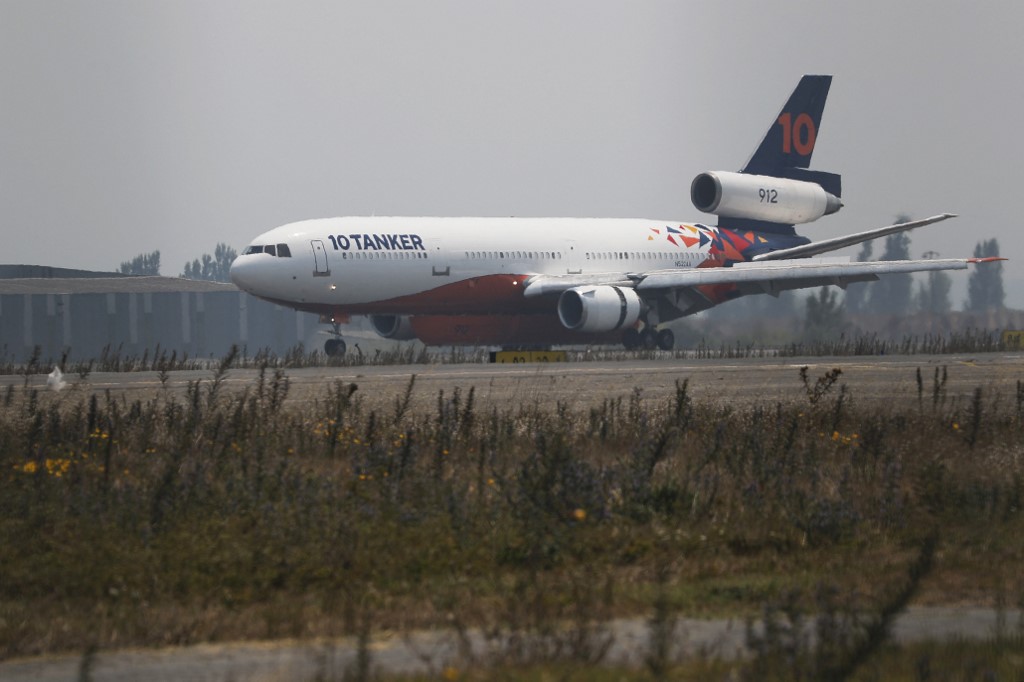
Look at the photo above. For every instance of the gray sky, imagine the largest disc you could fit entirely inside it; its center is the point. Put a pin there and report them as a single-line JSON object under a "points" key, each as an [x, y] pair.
{"points": [[129, 126]]}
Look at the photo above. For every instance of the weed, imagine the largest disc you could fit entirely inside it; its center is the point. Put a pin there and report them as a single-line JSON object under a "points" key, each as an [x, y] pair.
{"points": [[32, 365], [823, 384], [85, 369], [920, 388], [402, 403], [843, 636], [221, 373], [662, 626], [117, 359], [939, 387], [975, 417], [274, 517]]}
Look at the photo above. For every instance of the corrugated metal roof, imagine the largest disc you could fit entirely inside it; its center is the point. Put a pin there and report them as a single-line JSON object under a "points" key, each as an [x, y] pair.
{"points": [[111, 285], [32, 271]]}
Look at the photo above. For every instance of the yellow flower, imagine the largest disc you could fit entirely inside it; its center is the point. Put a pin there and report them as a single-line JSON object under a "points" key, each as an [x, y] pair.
{"points": [[450, 674], [835, 435], [956, 427], [490, 481], [29, 468], [579, 514]]}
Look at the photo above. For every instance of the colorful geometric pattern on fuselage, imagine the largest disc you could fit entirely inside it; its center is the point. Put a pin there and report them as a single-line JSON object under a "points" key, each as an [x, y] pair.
{"points": [[726, 246]]}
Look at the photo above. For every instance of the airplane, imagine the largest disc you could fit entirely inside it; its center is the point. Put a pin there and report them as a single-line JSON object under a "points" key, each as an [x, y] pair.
{"points": [[521, 282]]}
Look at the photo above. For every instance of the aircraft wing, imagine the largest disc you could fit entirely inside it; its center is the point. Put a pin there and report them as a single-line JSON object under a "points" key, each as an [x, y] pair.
{"points": [[556, 284], [779, 275], [768, 277]]}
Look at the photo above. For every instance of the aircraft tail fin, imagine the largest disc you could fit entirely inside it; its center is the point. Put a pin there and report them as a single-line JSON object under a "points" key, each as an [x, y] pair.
{"points": [[790, 140], [785, 151]]}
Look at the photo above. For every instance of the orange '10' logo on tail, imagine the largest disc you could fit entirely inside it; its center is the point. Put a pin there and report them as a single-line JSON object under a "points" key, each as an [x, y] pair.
{"points": [[797, 134]]}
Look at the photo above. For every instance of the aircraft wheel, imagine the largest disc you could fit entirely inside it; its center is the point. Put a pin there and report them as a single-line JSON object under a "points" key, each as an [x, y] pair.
{"points": [[334, 347], [649, 339], [666, 339], [631, 339]]}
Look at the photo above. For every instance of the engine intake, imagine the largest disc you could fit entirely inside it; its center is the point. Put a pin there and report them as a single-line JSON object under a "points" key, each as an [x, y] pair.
{"points": [[396, 327], [598, 308], [761, 197]]}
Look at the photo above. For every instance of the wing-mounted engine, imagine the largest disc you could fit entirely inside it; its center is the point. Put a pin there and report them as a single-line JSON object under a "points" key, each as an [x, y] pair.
{"points": [[395, 327], [599, 308], [762, 197]]}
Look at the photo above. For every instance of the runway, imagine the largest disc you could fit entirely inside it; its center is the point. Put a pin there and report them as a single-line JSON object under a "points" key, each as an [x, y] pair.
{"points": [[868, 380]]}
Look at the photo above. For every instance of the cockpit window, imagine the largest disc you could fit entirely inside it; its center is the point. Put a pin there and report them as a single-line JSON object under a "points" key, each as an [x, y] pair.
{"points": [[253, 248], [271, 249], [283, 251]]}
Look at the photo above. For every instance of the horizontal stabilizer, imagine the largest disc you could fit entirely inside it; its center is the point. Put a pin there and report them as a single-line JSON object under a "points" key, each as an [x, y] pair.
{"points": [[826, 245]]}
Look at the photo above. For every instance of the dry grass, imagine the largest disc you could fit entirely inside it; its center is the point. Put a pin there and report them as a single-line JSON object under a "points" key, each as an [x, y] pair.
{"points": [[222, 516]]}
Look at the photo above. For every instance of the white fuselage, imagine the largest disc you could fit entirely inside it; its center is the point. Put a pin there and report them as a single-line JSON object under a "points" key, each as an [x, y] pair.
{"points": [[364, 264]]}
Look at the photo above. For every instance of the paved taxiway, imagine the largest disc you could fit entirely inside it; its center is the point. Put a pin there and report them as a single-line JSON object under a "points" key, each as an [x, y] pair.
{"points": [[868, 379], [429, 652]]}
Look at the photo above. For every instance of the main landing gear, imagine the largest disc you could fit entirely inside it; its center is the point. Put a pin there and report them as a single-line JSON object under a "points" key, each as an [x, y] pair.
{"points": [[648, 338], [335, 348]]}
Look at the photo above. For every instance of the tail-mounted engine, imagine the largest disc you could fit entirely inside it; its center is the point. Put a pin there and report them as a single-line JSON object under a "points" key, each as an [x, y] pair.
{"points": [[762, 197], [598, 308]]}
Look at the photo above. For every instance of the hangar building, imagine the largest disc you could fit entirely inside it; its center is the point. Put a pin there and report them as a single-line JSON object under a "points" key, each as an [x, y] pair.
{"points": [[86, 312]]}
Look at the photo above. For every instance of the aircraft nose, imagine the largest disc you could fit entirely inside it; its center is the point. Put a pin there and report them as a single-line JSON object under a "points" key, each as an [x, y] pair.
{"points": [[241, 273]]}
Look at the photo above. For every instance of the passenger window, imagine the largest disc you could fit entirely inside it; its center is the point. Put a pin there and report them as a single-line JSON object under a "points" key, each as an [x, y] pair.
{"points": [[283, 251]]}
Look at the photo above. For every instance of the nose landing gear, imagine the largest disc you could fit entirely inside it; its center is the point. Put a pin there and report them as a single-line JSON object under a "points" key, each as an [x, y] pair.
{"points": [[335, 347]]}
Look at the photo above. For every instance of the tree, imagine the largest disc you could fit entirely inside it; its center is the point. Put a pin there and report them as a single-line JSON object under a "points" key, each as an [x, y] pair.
{"points": [[892, 294], [143, 264], [213, 268], [933, 294], [825, 316], [985, 285], [857, 293]]}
